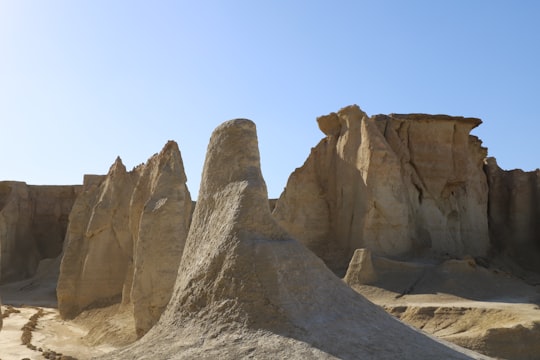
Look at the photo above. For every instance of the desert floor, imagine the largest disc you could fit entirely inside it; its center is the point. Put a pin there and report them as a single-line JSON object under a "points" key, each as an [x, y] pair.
{"points": [[482, 309], [494, 310], [81, 338]]}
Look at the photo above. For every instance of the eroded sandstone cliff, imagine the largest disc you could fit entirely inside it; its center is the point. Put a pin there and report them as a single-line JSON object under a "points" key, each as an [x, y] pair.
{"points": [[396, 184], [125, 239], [459, 300], [33, 222], [514, 214], [246, 289]]}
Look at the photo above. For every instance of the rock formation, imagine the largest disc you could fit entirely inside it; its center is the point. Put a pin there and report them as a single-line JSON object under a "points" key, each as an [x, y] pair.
{"points": [[125, 239], [246, 289], [361, 269], [514, 213], [457, 300], [396, 184], [460, 278], [33, 222]]}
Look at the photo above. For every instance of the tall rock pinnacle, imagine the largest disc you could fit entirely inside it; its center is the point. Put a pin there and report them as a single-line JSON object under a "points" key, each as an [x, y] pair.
{"points": [[245, 288]]}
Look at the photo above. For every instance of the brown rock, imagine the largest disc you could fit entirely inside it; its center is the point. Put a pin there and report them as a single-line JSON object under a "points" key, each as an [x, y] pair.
{"points": [[247, 289], [514, 213], [329, 124], [361, 270], [98, 245], [33, 222], [457, 300], [443, 168], [395, 184], [161, 208], [125, 239]]}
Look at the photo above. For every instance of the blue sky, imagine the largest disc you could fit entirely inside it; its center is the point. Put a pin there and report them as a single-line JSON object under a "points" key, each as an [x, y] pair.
{"points": [[84, 81]]}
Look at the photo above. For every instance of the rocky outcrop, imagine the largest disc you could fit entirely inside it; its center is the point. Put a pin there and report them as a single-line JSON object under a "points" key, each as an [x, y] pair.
{"points": [[456, 278], [396, 184], [125, 239], [458, 300], [361, 269], [245, 288], [33, 222], [514, 213]]}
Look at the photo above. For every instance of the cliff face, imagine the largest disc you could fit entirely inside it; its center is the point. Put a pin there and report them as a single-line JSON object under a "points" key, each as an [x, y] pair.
{"points": [[514, 213], [33, 222], [125, 239], [246, 289], [396, 184]]}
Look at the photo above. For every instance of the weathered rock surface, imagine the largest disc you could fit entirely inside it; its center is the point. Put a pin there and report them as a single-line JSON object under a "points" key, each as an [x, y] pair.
{"points": [[33, 222], [245, 288], [514, 214], [125, 239], [497, 332], [361, 269], [457, 300], [39, 290], [396, 184], [462, 278]]}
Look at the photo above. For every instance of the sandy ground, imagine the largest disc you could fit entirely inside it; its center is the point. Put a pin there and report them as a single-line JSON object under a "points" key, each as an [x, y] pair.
{"points": [[51, 333], [477, 308], [483, 309], [504, 330], [10, 336]]}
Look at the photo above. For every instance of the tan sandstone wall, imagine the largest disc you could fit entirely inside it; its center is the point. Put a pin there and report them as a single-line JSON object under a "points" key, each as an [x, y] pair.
{"points": [[33, 222], [395, 184], [125, 239], [514, 213], [246, 289]]}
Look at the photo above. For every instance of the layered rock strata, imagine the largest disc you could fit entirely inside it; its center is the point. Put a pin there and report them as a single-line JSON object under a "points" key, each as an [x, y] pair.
{"points": [[514, 214], [125, 239], [458, 300], [33, 222], [245, 288], [396, 184]]}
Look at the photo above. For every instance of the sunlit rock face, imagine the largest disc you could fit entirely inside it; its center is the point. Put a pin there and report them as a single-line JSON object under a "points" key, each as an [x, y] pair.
{"points": [[125, 239], [514, 213], [395, 184], [247, 289], [33, 222]]}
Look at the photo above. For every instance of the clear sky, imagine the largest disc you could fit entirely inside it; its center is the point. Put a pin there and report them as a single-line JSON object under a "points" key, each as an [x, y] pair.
{"points": [[84, 81]]}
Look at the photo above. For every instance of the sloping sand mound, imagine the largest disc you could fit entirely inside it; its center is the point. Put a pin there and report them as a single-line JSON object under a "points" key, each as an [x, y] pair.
{"points": [[32, 302], [245, 289], [499, 330], [39, 290], [483, 309], [36, 333]]}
